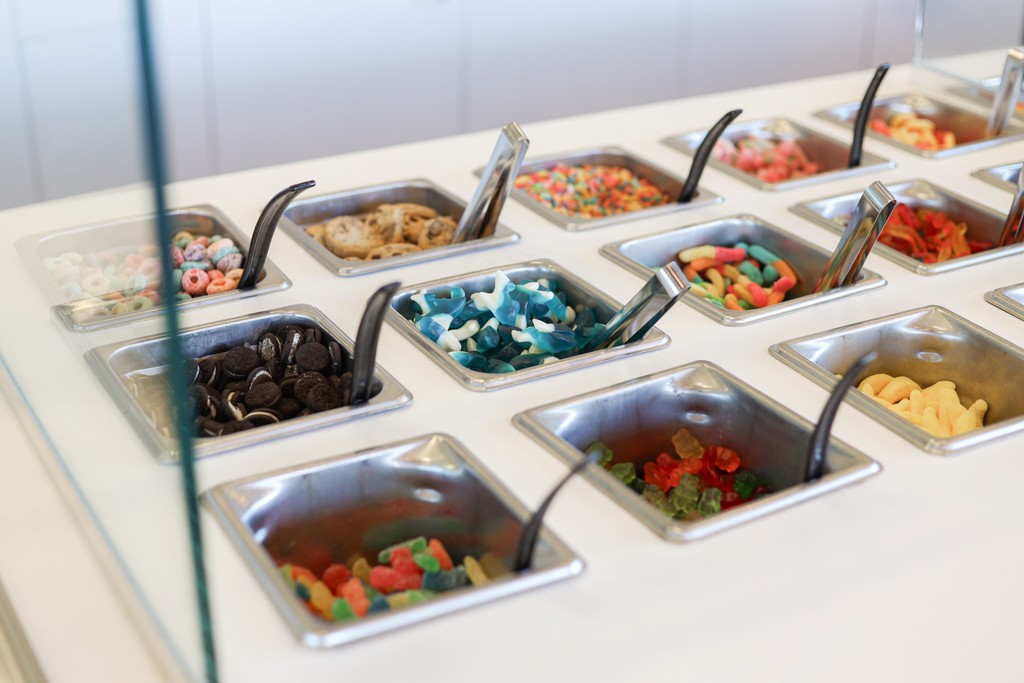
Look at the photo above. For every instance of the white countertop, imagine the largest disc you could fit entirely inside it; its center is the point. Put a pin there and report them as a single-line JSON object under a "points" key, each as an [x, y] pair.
{"points": [[912, 574]]}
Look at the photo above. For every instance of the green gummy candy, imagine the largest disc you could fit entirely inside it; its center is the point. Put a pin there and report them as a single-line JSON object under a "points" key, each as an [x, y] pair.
{"points": [[286, 572], [427, 562], [625, 471], [761, 254], [684, 497], [605, 458], [415, 545], [710, 502], [342, 611], [653, 495], [744, 483]]}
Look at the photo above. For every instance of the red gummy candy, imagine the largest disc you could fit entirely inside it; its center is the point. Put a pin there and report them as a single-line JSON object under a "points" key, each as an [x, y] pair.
{"points": [[691, 465], [655, 477], [402, 562], [383, 578], [438, 550], [665, 462], [335, 575], [353, 591], [727, 459]]}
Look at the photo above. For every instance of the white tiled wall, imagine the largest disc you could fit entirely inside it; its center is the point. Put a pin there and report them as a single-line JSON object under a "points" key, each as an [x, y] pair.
{"points": [[250, 84]]}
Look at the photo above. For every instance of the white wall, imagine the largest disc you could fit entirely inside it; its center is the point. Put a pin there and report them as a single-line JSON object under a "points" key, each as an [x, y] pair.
{"points": [[250, 84]]}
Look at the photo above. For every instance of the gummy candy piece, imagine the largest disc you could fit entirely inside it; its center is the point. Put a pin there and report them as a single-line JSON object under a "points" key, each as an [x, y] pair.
{"points": [[470, 361], [474, 572], [378, 604], [528, 360], [444, 581], [504, 307], [426, 303], [321, 597], [302, 590], [546, 337], [498, 366], [654, 495], [492, 565], [286, 572], [638, 484], [342, 611], [744, 483], [384, 579], [710, 502], [585, 318], [408, 597], [605, 459], [303, 573], [686, 444], [624, 471], [335, 575], [361, 569], [507, 352], [685, 496], [436, 332], [402, 562], [488, 338], [427, 562], [413, 545], [505, 332], [441, 553], [727, 459], [355, 595]]}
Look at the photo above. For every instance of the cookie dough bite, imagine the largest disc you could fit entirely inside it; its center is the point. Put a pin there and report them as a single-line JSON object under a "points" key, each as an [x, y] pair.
{"points": [[348, 237]]}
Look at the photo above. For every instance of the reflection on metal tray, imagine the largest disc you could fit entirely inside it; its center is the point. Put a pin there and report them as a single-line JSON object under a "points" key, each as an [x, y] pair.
{"points": [[1004, 176], [126, 367], [927, 345], [830, 154], [643, 255], [578, 292], [637, 419], [983, 223], [306, 212], [968, 127], [127, 235], [1010, 299], [358, 504], [667, 182]]}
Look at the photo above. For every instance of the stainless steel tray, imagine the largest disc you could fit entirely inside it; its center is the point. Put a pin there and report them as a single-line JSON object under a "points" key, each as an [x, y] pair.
{"points": [[643, 255], [984, 93], [831, 154], [1010, 299], [926, 344], [577, 291], [132, 232], [637, 419], [305, 212], [120, 364], [1004, 176], [984, 223], [668, 182], [362, 502], [968, 127]]}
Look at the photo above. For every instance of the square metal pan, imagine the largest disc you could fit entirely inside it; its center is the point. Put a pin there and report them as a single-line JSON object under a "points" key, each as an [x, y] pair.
{"points": [[643, 255], [306, 212], [983, 223], [119, 363], [926, 344], [984, 93], [1004, 177], [668, 182], [830, 153], [577, 291], [968, 127], [362, 502], [637, 419], [1010, 299], [132, 232]]}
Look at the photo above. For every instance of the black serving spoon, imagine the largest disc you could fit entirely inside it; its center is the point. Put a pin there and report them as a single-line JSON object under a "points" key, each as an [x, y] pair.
{"points": [[861, 124], [364, 356], [822, 432], [703, 153], [264, 232], [531, 530]]}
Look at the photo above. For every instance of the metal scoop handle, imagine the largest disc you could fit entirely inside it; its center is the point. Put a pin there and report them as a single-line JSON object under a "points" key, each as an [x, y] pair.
{"points": [[866, 224], [259, 247], [1013, 230], [481, 215], [1007, 95], [822, 432], [645, 309], [364, 355]]}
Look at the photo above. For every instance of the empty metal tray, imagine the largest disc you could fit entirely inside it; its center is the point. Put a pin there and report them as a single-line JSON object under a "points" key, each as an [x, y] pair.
{"points": [[359, 503], [669, 183], [968, 127], [578, 292], [926, 344], [1004, 177], [982, 222], [830, 154], [637, 419], [129, 234], [643, 255], [120, 367], [306, 212]]}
